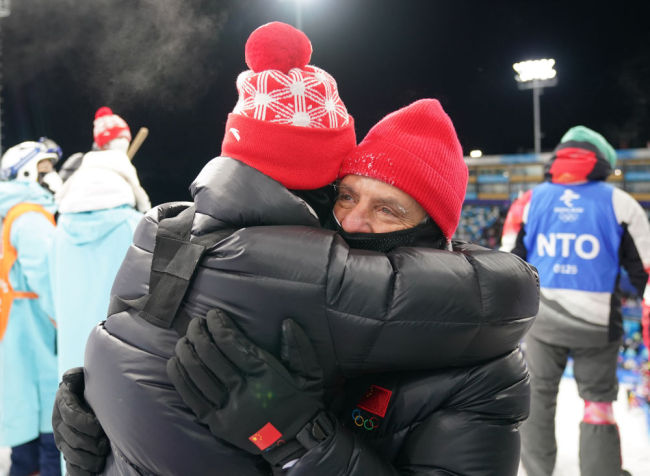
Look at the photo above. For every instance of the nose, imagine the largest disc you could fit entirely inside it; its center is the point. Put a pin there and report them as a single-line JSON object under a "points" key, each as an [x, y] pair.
{"points": [[355, 220]]}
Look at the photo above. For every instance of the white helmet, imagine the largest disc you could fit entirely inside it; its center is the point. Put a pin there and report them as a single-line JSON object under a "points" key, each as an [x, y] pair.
{"points": [[20, 162]]}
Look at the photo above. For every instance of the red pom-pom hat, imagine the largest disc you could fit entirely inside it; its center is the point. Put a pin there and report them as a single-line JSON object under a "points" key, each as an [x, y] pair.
{"points": [[289, 122], [277, 46], [108, 126]]}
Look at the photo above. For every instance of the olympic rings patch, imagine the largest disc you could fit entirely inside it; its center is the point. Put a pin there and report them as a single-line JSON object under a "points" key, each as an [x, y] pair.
{"points": [[369, 424]]}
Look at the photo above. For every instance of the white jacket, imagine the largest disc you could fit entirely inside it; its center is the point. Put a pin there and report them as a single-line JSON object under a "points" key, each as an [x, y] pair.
{"points": [[105, 179]]}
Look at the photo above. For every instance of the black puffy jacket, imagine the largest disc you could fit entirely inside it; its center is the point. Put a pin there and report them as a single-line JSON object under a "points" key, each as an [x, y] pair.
{"points": [[365, 312]]}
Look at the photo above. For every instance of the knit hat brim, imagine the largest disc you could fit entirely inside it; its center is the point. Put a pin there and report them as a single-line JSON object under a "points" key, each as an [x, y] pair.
{"points": [[583, 134], [300, 158]]}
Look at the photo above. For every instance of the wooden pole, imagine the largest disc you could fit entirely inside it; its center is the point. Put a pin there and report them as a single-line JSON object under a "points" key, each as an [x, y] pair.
{"points": [[137, 142]]}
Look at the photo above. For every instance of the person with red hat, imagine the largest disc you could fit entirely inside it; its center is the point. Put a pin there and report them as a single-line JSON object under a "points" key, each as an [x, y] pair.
{"points": [[412, 152], [100, 204], [110, 131], [198, 353]]}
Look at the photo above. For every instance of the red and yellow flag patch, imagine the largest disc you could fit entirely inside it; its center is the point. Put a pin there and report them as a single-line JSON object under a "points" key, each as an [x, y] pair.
{"points": [[265, 436], [375, 400]]}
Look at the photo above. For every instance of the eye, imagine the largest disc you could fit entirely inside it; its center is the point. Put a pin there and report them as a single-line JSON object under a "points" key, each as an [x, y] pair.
{"points": [[344, 197], [345, 200], [387, 211]]}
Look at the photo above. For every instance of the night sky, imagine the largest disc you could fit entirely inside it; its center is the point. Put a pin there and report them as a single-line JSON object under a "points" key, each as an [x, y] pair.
{"points": [[171, 65]]}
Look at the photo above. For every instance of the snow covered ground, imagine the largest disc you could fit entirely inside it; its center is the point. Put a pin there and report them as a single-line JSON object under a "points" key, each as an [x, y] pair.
{"points": [[634, 434], [635, 438]]}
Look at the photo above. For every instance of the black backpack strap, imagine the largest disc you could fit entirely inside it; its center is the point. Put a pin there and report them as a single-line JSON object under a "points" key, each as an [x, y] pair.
{"points": [[175, 258]]}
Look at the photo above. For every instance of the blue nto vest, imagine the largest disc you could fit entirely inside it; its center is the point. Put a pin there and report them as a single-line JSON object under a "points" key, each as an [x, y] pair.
{"points": [[573, 236]]}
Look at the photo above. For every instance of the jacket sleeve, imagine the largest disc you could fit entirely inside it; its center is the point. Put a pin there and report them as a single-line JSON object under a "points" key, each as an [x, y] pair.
{"points": [[366, 311], [474, 303], [635, 250], [513, 227], [473, 432], [32, 235], [635, 242]]}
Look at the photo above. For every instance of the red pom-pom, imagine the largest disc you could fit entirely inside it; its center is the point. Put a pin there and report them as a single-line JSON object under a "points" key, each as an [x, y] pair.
{"points": [[279, 46], [103, 111]]}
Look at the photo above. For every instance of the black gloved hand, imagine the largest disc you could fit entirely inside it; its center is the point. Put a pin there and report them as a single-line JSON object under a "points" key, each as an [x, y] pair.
{"points": [[245, 395], [77, 432]]}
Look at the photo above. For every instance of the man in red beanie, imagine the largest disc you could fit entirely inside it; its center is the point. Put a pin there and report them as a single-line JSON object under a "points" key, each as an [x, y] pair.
{"points": [[354, 312], [414, 151]]}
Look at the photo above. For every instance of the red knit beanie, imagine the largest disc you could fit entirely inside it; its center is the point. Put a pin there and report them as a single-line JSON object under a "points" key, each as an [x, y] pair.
{"points": [[289, 122], [416, 150], [108, 126]]}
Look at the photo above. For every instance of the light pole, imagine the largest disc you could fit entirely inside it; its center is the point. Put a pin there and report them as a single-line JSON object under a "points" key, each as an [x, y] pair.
{"points": [[4, 12], [536, 75]]}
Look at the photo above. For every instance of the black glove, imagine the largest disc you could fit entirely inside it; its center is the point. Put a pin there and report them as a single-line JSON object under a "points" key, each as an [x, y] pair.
{"points": [[245, 395], [77, 432]]}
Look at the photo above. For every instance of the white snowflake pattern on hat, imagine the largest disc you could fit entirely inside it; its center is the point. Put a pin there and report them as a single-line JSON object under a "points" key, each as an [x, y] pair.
{"points": [[306, 97]]}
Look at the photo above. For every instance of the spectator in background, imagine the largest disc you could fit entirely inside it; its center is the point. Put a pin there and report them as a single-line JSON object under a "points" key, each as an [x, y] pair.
{"points": [[28, 376], [578, 231], [100, 204]]}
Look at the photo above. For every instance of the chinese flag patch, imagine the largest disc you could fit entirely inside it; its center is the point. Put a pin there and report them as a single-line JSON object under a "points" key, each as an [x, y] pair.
{"points": [[375, 400], [265, 436]]}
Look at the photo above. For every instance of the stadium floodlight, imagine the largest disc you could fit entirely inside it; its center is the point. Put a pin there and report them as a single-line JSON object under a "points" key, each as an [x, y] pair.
{"points": [[536, 75], [531, 70], [476, 153]]}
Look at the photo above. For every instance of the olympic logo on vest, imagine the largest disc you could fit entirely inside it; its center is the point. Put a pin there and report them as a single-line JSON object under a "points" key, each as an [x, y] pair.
{"points": [[369, 424]]}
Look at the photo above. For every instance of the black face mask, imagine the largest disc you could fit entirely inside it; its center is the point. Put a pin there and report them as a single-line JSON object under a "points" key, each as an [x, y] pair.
{"points": [[426, 234]]}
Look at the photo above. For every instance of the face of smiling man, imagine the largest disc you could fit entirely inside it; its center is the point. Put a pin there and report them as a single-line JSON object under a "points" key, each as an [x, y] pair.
{"points": [[366, 205]]}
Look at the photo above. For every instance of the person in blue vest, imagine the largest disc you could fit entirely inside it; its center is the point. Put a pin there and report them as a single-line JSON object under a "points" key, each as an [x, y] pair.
{"points": [[100, 205], [578, 231], [28, 373]]}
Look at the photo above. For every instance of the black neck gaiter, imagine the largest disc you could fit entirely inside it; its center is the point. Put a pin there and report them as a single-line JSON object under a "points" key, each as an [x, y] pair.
{"points": [[426, 234], [322, 200]]}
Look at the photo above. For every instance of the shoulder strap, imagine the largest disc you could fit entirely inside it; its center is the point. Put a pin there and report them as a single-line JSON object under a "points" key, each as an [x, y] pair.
{"points": [[8, 256], [175, 258], [11, 216]]}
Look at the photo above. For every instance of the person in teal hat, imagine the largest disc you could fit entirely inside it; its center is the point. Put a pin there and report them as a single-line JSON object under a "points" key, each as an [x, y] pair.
{"points": [[578, 231]]}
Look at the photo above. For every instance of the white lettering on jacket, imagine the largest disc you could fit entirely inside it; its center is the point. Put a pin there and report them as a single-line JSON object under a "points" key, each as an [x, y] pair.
{"points": [[547, 245]]}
